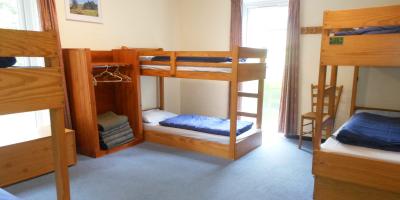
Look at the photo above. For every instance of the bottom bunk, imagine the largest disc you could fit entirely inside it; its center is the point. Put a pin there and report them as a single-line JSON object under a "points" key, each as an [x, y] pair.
{"points": [[199, 141], [345, 171]]}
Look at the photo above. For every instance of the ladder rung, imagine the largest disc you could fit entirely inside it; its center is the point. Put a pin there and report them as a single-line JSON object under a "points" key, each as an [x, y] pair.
{"points": [[247, 94], [246, 114]]}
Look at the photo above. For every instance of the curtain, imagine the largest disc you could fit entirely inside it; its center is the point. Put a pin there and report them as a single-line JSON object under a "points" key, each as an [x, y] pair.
{"points": [[288, 113], [236, 23], [49, 22]]}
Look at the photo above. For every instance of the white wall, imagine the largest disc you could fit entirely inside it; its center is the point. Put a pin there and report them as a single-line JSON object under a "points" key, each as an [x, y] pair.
{"points": [[370, 80], [134, 23], [205, 26]]}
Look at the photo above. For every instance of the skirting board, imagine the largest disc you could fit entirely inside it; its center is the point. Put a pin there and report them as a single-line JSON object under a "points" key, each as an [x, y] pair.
{"points": [[22, 161]]}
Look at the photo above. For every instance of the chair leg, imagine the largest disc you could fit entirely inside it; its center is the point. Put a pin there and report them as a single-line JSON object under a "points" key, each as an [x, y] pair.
{"points": [[301, 133]]}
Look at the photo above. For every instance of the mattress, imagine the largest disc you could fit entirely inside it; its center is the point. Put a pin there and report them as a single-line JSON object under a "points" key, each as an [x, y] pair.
{"points": [[188, 68], [198, 135], [333, 145]]}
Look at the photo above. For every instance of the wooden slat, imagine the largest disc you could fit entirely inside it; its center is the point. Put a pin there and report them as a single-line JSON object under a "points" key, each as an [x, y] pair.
{"points": [[329, 189], [187, 143], [363, 50], [32, 158], [248, 94], [152, 72], [154, 53], [245, 52], [311, 30], [23, 90], [203, 54], [204, 75], [251, 142], [28, 43], [379, 16], [246, 114], [149, 62], [368, 172], [204, 64], [251, 71]]}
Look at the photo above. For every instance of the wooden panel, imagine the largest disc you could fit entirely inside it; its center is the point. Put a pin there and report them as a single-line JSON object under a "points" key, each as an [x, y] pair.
{"points": [[23, 90], [33, 158], [149, 62], [248, 144], [251, 71], [379, 16], [105, 98], [246, 114], [152, 72], [204, 75], [367, 172], [154, 53], [247, 94], [203, 54], [82, 99], [204, 64], [28, 43], [363, 50], [329, 189], [245, 52], [311, 30], [202, 146], [101, 56]]}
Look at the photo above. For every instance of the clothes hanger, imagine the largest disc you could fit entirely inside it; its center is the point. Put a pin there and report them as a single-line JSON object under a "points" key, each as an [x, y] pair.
{"points": [[118, 73], [106, 77]]}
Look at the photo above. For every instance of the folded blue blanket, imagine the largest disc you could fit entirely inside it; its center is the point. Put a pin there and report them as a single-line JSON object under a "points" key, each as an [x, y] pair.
{"points": [[193, 59], [373, 131], [371, 30], [213, 125]]}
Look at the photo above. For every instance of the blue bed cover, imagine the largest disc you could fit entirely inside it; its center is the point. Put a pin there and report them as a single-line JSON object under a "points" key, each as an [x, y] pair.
{"points": [[373, 131], [212, 125]]}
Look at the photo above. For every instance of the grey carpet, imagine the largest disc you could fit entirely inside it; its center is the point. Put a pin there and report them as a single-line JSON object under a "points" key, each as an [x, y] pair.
{"points": [[277, 170]]}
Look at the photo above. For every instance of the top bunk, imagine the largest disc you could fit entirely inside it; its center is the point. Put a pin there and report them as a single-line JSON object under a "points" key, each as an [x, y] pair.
{"points": [[367, 37], [241, 64], [24, 89]]}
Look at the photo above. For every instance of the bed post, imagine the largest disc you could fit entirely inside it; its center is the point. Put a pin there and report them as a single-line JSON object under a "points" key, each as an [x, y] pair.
{"points": [[331, 102], [354, 91], [260, 98], [161, 92], [320, 107], [233, 102]]}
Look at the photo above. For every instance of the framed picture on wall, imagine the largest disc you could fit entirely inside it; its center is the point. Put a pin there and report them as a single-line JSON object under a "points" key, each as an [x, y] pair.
{"points": [[84, 10]]}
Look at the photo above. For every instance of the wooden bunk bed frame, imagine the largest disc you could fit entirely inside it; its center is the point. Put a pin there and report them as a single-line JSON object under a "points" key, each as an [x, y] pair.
{"points": [[342, 176], [240, 72], [31, 89]]}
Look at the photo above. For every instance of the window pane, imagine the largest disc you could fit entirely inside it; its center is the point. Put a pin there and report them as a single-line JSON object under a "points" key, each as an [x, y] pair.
{"points": [[22, 15]]}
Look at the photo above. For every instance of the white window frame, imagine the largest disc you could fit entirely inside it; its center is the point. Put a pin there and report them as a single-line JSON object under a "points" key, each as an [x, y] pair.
{"points": [[29, 19], [251, 4]]}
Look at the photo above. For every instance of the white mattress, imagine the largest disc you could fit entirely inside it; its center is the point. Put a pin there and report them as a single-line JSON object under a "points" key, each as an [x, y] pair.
{"points": [[197, 135], [188, 68], [333, 145]]}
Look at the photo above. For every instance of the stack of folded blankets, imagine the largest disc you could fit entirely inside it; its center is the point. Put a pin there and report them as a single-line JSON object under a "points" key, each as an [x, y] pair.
{"points": [[114, 130]]}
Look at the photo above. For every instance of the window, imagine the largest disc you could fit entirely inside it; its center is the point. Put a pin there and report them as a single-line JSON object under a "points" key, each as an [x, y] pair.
{"points": [[264, 26], [22, 15]]}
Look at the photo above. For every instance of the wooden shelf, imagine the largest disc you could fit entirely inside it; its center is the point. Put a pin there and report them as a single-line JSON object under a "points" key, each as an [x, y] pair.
{"points": [[89, 100], [104, 152]]}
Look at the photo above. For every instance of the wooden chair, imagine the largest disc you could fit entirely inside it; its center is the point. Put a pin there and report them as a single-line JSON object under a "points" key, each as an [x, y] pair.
{"points": [[311, 116]]}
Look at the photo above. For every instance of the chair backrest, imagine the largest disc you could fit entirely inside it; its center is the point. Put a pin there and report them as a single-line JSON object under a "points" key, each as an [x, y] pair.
{"points": [[314, 95]]}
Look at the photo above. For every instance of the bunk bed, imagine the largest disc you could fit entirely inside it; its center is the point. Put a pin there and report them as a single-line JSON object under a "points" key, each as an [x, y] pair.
{"points": [[30, 89], [343, 170], [236, 66]]}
